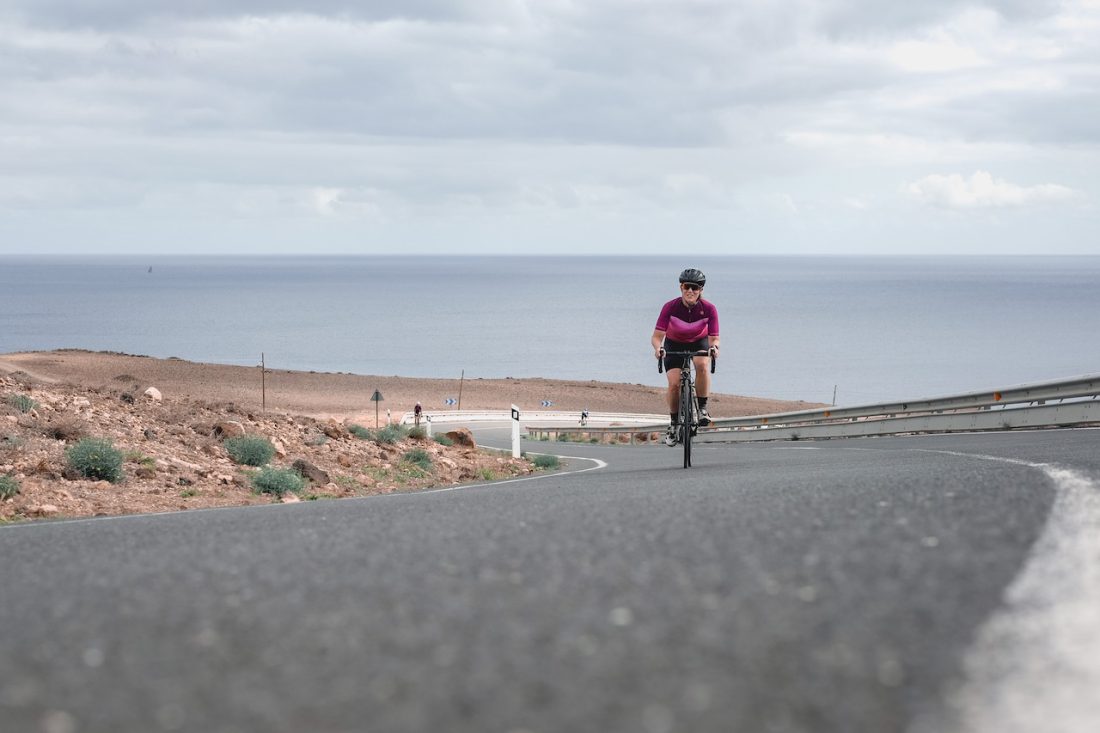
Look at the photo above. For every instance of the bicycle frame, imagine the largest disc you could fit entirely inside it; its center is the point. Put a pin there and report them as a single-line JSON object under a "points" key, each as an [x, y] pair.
{"points": [[689, 408]]}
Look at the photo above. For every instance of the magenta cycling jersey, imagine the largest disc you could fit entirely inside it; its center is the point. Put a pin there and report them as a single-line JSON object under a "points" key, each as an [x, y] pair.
{"points": [[684, 324]]}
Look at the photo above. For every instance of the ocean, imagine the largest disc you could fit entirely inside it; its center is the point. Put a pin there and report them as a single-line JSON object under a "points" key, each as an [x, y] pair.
{"points": [[868, 328]]}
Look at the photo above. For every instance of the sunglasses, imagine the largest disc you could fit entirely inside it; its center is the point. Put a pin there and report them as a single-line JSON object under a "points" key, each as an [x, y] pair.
{"points": [[691, 286]]}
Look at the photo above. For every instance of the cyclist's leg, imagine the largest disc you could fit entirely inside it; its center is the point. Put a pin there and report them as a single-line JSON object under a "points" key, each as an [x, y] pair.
{"points": [[673, 405], [702, 376], [702, 387], [673, 390]]}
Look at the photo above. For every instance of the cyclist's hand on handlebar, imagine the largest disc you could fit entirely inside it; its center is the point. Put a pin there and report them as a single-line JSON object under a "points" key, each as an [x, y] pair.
{"points": [[660, 353]]}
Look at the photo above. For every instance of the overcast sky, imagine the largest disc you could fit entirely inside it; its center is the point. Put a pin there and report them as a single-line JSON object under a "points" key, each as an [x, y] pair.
{"points": [[550, 126]]}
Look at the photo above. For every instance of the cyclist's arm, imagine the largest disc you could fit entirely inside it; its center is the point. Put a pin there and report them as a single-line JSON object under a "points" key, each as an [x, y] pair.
{"points": [[658, 341]]}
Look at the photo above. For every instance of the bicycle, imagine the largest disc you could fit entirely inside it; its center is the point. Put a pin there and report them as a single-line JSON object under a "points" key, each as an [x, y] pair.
{"points": [[689, 408]]}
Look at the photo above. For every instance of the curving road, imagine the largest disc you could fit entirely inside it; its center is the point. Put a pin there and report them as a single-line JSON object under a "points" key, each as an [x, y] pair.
{"points": [[894, 584]]}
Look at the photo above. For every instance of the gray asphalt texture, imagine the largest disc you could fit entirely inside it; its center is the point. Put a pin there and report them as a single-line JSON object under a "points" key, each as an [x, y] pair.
{"points": [[825, 586]]}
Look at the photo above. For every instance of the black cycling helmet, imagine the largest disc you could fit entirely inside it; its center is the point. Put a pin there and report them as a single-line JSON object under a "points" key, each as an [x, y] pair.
{"points": [[691, 275]]}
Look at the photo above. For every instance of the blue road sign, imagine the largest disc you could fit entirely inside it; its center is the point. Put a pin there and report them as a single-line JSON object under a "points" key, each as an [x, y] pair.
{"points": [[450, 401], [546, 403]]}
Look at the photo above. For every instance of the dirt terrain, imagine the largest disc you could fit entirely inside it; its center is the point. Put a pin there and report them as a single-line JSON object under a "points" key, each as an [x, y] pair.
{"points": [[170, 419], [347, 396]]}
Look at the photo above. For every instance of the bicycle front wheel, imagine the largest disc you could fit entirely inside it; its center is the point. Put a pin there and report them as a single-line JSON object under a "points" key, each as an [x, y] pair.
{"points": [[687, 399]]}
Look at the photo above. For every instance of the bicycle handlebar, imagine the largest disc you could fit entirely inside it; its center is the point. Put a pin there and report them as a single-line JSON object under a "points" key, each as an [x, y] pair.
{"points": [[713, 358]]}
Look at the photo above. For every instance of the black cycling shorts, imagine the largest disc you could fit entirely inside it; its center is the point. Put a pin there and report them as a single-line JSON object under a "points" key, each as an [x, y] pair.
{"points": [[677, 362]]}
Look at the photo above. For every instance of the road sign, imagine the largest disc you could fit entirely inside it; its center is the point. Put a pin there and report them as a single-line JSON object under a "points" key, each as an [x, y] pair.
{"points": [[450, 401], [376, 398], [546, 403]]}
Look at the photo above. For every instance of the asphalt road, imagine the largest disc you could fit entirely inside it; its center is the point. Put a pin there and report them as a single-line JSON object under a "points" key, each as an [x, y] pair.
{"points": [[846, 585]]}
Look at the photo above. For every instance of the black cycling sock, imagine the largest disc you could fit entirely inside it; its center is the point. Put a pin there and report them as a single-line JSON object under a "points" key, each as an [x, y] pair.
{"points": [[702, 402], [675, 418]]}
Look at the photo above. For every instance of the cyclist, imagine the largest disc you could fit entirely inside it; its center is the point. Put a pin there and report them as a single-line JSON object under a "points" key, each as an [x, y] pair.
{"points": [[687, 323]]}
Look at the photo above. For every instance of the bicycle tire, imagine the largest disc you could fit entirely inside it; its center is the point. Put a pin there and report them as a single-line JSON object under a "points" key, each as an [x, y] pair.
{"points": [[686, 415]]}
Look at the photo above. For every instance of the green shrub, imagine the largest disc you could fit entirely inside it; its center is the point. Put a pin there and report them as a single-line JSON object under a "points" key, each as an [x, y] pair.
{"points": [[487, 474], [545, 461], [389, 434], [419, 457], [442, 439], [417, 433], [250, 450], [21, 402], [277, 481], [359, 431], [9, 487], [95, 458]]}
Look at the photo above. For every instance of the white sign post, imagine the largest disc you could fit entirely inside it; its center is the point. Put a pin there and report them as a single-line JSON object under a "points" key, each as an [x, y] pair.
{"points": [[515, 432], [428, 424]]}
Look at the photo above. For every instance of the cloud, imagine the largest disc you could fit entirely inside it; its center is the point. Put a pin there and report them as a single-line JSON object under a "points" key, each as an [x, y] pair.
{"points": [[982, 190], [335, 113]]}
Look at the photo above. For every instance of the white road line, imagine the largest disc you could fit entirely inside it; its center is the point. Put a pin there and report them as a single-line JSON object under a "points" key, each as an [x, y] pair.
{"points": [[1035, 663], [599, 464]]}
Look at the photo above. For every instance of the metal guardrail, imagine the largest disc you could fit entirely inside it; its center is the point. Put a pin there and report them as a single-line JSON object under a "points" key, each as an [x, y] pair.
{"points": [[562, 418], [1060, 403]]}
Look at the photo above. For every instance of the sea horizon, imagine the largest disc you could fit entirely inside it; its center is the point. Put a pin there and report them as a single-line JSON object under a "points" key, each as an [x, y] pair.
{"points": [[794, 327]]}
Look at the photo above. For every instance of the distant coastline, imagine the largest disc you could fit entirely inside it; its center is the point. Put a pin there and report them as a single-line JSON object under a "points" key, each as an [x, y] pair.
{"points": [[347, 396]]}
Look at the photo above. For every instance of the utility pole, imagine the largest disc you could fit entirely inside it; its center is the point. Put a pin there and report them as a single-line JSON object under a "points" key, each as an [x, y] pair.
{"points": [[834, 395], [263, 384], [460, 381]]}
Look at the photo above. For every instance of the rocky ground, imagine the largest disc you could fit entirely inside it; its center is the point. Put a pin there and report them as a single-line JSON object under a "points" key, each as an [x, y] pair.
{"points": [[175, 456], [173, 442]]}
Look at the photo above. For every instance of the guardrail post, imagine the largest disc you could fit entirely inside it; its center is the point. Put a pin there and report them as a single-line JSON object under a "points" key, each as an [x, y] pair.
{"points": [[515, 432]]}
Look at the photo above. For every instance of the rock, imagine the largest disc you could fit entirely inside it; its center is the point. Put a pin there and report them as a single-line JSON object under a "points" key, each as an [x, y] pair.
{"points": [[42, 468], [154, 394], [127, 398], [43, 510], [462, 437], [180, 463], [79, 402], [289, 498], [149, 433], [445, 461], [335, 431], [280, 449], [227, 429], [146, 472], [344, 460], [224, 479], [307, 470]]}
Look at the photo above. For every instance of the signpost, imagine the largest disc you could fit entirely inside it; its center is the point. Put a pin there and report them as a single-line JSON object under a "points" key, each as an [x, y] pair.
{"points": [[547, 403], [376, 398], [515, 432], [450, 401]]}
